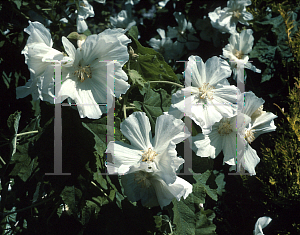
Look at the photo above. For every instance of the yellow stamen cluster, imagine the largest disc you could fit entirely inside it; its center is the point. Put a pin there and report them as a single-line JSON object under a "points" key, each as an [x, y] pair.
{"points": [[83, 72], [238, 54], [249, 135], [225, 128], [236, 14], [205, 91], [148, 155]]}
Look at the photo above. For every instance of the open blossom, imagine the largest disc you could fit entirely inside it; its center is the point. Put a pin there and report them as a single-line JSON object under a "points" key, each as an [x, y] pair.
{"points": [[148, 166], [165, 46], [212, 98], [85, 79], [183, 32], [122, 20], [37, 52], [85, 10], [240, 45], [223, 137], [226, 19], [159, 153]]}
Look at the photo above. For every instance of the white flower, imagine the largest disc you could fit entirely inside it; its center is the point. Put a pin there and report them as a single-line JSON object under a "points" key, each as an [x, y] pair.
{"points": [[158, 153], [37, 50], [165, 46], [260, 224], [240, 45], [85, 10], [253, 106], [148, 166], [151, 189], [122, 20], [223, 137], [226, 20], [212, 98], [180, 32], [163, 3], [84, 79]]}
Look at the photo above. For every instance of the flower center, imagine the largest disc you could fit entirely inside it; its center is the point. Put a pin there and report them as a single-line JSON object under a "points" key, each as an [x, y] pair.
{"points": [[249, 135], [236, 14], [142, 178], [148, 155], [224, 128], [205, 91], [238, 54], [82, 4], [258, 112], [83, 72]]}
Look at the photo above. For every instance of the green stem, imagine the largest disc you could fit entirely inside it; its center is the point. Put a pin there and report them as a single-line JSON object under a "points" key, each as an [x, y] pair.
{"points": [[28, 207], [173, 83], [27, 133], [2, 160]]}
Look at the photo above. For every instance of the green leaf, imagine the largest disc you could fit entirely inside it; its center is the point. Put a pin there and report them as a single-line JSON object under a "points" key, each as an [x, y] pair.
{"points": [[68, 196], [265, 54], [13, 125], [6, 79], [155, 103], [18, 3], [136, 78], [100, 130], [204, 224], [151, 65], [134, 32], [201, 180]]}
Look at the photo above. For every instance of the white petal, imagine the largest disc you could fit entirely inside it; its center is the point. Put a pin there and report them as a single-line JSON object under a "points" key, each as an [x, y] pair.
{"points": [[196, 68], [176, 132], [38, 33], [202, 145], [229, 148], [260, 224], [215, 73], [124, 155], [136, 128], [81, 25], [69, 47], [264, 124], [251, 102], [165, 193], [251, 159]]}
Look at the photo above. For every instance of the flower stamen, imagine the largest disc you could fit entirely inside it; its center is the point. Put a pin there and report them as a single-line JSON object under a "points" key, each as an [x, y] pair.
{"points": [[225, 128], [238, 54], [83, 72], [236, 14], [148, 155], [249, 135], [205, 91]]}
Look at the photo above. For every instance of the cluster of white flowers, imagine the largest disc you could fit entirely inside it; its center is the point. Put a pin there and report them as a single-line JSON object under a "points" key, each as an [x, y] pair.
{"points": [[226, 19], [148, 166], [212, 104], [184, 35], [83, 76]]}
